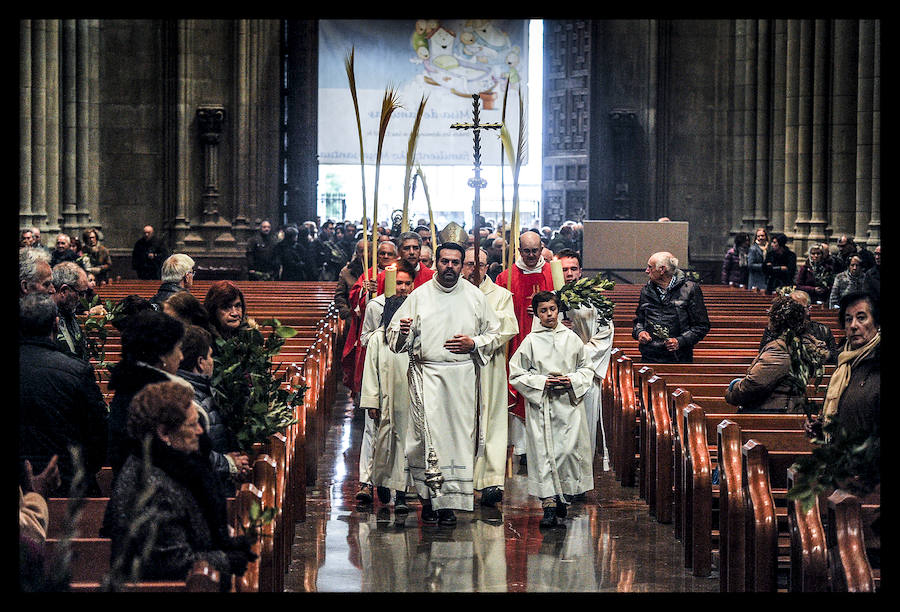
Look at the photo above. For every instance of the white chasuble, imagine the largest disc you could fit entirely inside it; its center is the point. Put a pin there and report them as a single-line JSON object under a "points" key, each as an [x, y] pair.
{"points": [[443, 386], [371, 321], [385, 387], [557, 439], [597, 335], [490, 466]]}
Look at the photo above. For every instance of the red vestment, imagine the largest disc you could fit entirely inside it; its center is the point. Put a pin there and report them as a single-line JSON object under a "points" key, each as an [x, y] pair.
{"points": [[523, 287]]}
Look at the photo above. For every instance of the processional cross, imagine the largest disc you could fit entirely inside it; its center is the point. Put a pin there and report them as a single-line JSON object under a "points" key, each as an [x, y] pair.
{"points": [[477, 182]]}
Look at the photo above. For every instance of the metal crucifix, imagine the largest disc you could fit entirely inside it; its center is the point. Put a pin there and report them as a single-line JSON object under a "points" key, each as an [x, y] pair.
{"points": [[477, 182]]}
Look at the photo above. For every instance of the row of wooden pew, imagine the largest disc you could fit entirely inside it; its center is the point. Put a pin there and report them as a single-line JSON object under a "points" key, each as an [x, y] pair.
{"points": [[283, 466], [669, 430]]}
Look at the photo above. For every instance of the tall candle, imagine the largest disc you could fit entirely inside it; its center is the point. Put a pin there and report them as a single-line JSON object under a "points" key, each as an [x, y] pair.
{"points": [[390, 280], [557, 273]]}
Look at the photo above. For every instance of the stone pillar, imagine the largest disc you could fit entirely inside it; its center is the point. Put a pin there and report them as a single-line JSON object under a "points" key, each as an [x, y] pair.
{"points": [[794, 223], [93, 182], [38, 120], [83, 123], [738, 218], [819, 188], [51, 221], [864, 105], [875, 217], [804, 126], [781, 217], [763, 211], [69, 189], [843, 129], [242, 126], [25, 105], [749, 187], [210, 119], [182, 157]]}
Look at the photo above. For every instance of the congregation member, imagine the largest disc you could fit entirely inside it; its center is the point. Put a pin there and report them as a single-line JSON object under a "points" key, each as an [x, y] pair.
{"points": [[290, 255], [60, 402], [148, 255], [63, 251], [849, 281], [35, 273], [781, 263], [177, 274], [186, 506], [151, 353], [671, 316], [426, 256], [70, 282], [872, 277], [227, 309], [381, 372], [552, 371], [34, 521], [262, 263], [756, 260], [735, 269], [812, 327], [597, 335], [445, 326], [185, 307], [526, 276], [816, 275], [847, 249], [96, 258], [777, 379], [490, 466]]}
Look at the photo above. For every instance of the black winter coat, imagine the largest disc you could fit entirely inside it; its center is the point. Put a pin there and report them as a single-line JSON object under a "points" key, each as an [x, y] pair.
{"points": [[681, 310], [60, 404], [775, 277]]}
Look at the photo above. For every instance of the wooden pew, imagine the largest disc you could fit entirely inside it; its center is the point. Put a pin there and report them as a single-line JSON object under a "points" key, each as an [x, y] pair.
{"points": [[809, 548], [845, 527]]}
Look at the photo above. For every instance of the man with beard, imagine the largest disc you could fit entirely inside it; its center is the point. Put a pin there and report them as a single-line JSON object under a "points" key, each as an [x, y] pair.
{"points": [[447, 326], [490, 466]]}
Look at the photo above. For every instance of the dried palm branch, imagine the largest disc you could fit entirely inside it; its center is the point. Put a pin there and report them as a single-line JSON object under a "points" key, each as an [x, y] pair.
{"points": [[389, 104], [516, 163], [420, 174], [410, 158], [351, 77], [502, 186]]}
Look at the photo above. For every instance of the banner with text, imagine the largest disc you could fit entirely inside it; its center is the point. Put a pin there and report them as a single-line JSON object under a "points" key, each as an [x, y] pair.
{"points": [[445, 60]]}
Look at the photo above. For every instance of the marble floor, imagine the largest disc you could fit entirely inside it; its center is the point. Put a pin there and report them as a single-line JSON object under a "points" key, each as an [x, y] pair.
{"points": [[609, 544]]}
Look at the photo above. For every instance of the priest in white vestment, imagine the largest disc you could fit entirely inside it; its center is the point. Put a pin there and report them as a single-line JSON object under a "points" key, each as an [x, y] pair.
{"points": [[552, 371], [490, 466], [385, 396], [447, 326], [597, 335]]}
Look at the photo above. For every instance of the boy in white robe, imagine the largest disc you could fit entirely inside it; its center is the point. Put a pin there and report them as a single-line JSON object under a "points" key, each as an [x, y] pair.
{"points": [[552, 371], [385, 396]]}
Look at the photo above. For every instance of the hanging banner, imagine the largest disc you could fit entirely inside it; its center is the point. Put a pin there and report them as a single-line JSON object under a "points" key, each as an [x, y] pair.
{"points": [[445, 60]]}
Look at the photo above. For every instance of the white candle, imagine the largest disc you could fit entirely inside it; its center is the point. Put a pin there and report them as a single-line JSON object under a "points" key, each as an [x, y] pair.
{"points": [[556, 272], [390, 280]]}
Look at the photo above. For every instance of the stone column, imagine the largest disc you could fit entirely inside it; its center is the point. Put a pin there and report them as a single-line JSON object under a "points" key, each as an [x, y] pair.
{"points": [[182, 158], [83, 123], [794, 223], [242, 125], [51, 221], [864, 106], [763, 211], [875, 217], [804, 126], [25, 102], [93, 183], [69, 190], [781, 216], [737, 129], [749, 187], [819, 187], [38, 119], [843, 129]]}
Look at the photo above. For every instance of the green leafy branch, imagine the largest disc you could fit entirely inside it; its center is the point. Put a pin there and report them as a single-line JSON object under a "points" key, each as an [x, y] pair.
{"points": [[588, 291]]}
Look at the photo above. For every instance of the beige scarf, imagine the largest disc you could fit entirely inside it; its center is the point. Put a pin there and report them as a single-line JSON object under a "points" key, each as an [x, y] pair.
{"points": [[847, 360]]}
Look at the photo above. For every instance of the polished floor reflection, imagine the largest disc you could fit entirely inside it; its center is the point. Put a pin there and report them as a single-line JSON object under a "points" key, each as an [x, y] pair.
{"points": [[609, 544]]}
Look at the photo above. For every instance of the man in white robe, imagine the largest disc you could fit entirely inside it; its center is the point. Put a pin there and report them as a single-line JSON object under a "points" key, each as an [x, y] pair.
{"points": [[447, 326], [597, 335], [490, 466], [385, 397], [552, 371], [371, 323]]}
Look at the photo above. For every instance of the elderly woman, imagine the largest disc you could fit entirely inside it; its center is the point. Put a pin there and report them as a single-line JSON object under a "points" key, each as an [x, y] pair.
{"points": [[175, 512], [151, 353], [816, 275], [96, 256], [854, 391], [776, 379], [848, 281], [226, 307]]}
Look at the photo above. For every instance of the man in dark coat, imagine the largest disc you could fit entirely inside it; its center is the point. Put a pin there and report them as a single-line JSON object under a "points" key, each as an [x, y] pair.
{"points": [[148, 255], [70, 282], [262, 263], [60, 403], [671, 315]]}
